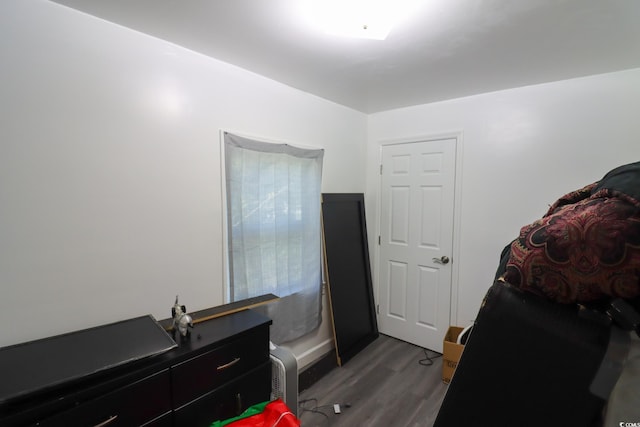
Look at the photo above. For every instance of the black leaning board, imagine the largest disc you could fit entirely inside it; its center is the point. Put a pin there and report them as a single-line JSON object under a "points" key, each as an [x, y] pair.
{"points": [[349, 273], [42, 364]]}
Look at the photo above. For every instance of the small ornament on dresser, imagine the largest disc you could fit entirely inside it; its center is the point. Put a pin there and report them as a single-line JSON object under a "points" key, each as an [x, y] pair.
{"points": [[181, 320]]}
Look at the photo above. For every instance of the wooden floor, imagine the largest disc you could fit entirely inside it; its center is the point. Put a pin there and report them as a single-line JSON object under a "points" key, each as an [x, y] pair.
{"points": [[383, 385]]}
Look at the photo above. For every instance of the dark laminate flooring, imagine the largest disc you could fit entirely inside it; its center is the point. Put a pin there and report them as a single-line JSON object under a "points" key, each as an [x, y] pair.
{"points": [[384, 385]]}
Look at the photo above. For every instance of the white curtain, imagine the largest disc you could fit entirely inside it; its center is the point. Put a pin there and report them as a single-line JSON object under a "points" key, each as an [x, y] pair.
{"points": [[274, 231]]}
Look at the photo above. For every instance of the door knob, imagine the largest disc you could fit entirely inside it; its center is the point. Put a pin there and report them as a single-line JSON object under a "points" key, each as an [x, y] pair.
{"points": [[442, 260]]}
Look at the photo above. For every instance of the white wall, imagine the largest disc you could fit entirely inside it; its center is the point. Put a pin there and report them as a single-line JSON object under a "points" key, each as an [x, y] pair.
{"points": [[110, 198], [110, 183], [522, 149]]}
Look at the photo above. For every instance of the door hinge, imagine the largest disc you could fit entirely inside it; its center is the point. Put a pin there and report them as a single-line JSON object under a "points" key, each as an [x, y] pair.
{"points": [[380, 169], [379, 240], [378, 309]]}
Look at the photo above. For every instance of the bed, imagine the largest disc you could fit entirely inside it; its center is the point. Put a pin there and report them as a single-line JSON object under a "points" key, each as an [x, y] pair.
{"points": [[555, 342]]}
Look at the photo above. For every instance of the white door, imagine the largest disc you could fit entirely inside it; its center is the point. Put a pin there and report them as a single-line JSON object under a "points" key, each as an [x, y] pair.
{"points": [[416, 240]]}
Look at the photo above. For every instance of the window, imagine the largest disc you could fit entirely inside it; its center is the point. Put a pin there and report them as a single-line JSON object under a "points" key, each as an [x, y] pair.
{"points": [[274, 232]]}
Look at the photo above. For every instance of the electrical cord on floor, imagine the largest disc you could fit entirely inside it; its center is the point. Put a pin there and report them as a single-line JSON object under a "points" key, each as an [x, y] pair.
{"points": [[428, 359], [314, 410], [317, 409]]}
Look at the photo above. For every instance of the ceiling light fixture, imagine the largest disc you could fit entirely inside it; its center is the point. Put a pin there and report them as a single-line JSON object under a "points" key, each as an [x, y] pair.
{"points": [[370, 19]]}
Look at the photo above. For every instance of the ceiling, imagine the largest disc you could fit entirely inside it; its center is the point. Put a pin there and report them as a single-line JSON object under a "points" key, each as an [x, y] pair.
{"points": [[446, 49]]}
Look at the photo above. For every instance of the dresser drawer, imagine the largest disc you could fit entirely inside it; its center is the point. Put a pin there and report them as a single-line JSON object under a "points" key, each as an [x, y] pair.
{"points": [[227, 401], [143, 402], [199, 375], [165, 420]]}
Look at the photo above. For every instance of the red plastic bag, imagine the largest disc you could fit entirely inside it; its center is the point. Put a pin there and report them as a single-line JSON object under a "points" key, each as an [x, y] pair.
{"points": [[268, 414]]}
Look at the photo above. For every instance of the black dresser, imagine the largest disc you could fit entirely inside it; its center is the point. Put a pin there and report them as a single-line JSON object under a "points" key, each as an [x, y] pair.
{"points": [[222, 368]]}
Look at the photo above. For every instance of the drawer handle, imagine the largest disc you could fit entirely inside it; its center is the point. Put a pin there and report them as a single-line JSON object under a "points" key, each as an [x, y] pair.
{"points": [[107, 421], [228, 365]]}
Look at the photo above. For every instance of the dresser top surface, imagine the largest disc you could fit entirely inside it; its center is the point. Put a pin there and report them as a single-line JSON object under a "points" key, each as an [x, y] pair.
{"points": [[50, 361], [42, 365]]}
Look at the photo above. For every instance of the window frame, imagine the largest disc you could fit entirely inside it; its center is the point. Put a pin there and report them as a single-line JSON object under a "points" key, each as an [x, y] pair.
{"points": [[226, 268]]}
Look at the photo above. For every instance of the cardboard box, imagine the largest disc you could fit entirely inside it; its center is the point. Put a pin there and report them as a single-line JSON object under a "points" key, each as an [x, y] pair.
{"points": [[451, 353]]}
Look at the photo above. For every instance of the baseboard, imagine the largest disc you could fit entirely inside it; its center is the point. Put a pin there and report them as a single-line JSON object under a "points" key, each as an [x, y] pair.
{"points": [[309, 356]]}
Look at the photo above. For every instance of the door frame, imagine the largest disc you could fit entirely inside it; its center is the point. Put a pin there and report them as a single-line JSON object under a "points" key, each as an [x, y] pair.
{"points": [[457, 210]]}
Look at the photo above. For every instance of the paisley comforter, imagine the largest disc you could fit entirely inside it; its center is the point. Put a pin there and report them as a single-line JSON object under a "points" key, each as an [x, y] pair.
{"points": [[586, 248]]}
